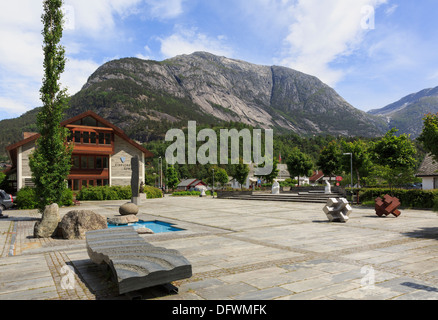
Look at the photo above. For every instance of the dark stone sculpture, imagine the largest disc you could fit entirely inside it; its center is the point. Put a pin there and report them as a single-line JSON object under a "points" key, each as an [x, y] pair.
{"points": [[135, 263], [388, 205], [135, 177]]}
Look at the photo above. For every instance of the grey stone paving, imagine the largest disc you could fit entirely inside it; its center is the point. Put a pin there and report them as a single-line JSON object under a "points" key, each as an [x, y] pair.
{"points": [[239, 250]]}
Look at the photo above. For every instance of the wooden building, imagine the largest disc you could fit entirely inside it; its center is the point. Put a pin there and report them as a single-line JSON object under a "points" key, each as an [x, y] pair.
{"points": [[101, 156]]}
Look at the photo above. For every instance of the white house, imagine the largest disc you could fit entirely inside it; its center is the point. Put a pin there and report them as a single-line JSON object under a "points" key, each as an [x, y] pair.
{"points": [[428, 171]]}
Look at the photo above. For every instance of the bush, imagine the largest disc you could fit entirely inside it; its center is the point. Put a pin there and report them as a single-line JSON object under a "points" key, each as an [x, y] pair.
{"points": [[191, 193], [105, 193], [152, 192], [409, 198], [27, 199]]}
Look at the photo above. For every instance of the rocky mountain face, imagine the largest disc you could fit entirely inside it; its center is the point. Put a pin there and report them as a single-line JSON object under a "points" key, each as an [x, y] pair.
{"points": [[139, 94], [407, 114], [147, 98]]}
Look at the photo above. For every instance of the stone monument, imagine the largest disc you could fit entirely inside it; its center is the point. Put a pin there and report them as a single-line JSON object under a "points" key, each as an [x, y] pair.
{"points": [[276, 187], [337, 210], [135, 180]]}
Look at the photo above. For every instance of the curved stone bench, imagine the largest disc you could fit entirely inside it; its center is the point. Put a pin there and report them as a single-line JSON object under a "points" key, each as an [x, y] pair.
{"points": [[135, 263]]}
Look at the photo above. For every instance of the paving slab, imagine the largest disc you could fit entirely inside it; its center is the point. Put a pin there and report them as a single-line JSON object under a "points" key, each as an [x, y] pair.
{"points": [[239, 250]]}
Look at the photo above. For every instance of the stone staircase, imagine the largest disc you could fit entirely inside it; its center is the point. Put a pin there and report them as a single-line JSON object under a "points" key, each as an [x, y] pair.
{"points": [[305, 196]]}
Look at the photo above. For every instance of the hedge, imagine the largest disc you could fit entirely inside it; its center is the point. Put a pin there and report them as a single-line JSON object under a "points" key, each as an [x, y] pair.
{"points": [[114, 193], [424, 199], [190, 193], [26, 198]]}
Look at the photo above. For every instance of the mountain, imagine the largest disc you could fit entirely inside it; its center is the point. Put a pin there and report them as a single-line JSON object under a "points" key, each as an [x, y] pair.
{"points": [[146, 98], [138, 94], [407, 114]]}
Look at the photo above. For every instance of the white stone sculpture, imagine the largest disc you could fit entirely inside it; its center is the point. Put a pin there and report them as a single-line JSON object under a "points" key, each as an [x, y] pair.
{"points": [[328, 188], [276, 187], [337, 210]]}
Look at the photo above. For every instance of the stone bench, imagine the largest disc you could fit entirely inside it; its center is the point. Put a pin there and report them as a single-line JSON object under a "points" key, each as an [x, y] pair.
{"points": [[135, 263]]}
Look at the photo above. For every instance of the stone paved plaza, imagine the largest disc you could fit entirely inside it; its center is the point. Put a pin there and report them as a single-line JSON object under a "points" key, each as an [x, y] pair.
{"points": [[239, 250]]}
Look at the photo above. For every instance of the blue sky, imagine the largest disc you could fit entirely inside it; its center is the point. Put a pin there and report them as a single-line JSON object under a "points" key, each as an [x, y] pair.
{"points": [[372, 52]]}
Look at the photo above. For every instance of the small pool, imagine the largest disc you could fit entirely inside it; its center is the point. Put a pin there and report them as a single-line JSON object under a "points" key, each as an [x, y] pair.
{"points": [[156, 226]]}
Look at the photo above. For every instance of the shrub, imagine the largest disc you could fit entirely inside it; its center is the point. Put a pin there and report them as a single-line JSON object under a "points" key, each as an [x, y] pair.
{"points": [[409, 198], [152, 192], [27, 198], [191, 193], [105, 193]]}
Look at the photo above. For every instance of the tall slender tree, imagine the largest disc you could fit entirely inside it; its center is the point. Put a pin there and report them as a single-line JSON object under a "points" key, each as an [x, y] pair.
{"points": [[51, 161]]}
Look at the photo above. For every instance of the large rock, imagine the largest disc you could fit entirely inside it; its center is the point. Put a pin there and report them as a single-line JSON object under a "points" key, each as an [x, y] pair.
{"points": [[128, 209], [47, 227], [76, 223]]}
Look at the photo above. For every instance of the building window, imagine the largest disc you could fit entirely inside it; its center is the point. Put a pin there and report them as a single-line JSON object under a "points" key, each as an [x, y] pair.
{"points": [[435, 183], [90, 162], [107, 138], [101, 138], [77, 135], [93, 137], [86, 137], [75, 185], [75, 162]]}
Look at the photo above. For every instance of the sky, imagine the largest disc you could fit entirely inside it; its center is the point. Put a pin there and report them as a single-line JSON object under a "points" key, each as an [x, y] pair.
{"points": [[372, 52]]}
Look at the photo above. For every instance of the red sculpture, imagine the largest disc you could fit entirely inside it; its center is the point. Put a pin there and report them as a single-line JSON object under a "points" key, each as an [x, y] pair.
{"points": [[388, 205]]}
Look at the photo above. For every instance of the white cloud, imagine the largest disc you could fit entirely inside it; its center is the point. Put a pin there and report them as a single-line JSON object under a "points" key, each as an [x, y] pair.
{"points": [[21, 62], [187, 41], [165, 9], [323, 31]]}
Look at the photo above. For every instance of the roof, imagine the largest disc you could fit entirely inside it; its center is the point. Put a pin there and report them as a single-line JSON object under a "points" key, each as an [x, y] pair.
{"points": [[117, 131], [190, 183], [316, 176], [428, 168]]}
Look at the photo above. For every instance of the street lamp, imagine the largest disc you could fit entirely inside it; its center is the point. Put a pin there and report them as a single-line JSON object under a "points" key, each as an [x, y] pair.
{"points": [[351, 155], [161, 174]]}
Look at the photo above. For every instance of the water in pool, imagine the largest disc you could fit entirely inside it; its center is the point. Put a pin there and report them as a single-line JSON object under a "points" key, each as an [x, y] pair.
{"points": [[156, 226]]}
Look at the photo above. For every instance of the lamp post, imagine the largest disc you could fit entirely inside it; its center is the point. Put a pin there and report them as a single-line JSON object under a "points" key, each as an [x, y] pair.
{"points": [[351, 184], [161, 174], [212, 192]]}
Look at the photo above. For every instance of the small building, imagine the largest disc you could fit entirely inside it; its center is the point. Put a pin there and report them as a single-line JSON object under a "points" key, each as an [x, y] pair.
{"points": [[191, 185], [101, 155], [428, 172]]}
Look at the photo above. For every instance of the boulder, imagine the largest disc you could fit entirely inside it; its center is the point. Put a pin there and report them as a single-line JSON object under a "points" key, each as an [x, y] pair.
{"points": [[121, 220], [46, 228], [76, 223], [128, 208]]}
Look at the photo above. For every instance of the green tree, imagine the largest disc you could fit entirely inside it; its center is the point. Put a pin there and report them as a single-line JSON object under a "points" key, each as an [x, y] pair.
{"points": [[361, 159], [240, 172], [397, 154], [172, 178], [51, 160], [429, 136], [329, 160], [299, 164], [274, 173]]}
